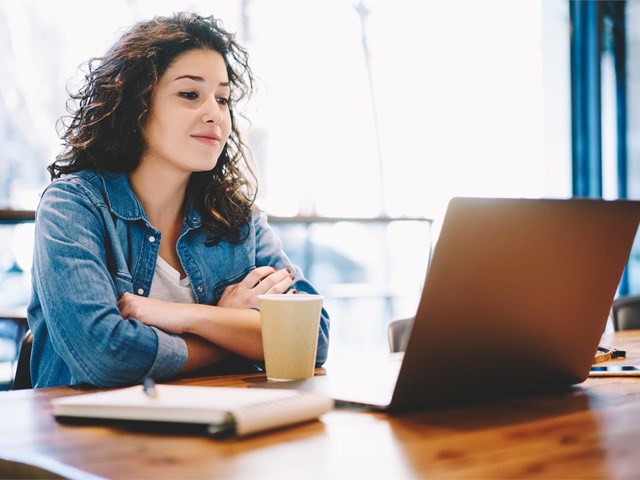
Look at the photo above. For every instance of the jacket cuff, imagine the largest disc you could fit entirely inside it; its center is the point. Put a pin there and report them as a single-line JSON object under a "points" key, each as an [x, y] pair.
{"points": [[171, 356]]}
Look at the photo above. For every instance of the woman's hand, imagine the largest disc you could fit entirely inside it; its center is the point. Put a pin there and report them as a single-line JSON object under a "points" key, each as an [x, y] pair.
{"points": [[167, 316], [260, 281]]}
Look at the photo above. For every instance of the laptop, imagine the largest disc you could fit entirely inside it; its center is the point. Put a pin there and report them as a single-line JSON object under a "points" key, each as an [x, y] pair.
{"points": [[516, 299]]}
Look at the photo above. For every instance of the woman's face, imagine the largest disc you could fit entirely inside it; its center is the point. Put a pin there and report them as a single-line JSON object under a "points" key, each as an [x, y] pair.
{"points": [[189, 121]]}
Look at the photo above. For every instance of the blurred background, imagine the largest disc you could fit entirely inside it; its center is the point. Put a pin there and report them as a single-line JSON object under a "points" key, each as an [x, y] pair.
{"points": [[369, 117]]}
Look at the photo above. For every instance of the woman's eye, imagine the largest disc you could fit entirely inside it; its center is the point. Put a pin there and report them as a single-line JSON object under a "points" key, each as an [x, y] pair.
{"points": [[189, 95], [222, 101]]}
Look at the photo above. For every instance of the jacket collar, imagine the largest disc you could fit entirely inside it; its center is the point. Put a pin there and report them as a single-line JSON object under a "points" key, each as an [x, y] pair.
{"points": [[120, 197], [122, 202]]}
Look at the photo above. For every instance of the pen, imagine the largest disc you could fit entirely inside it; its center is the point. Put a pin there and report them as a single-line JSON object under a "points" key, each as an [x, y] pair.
{"points": [[149, 387]]}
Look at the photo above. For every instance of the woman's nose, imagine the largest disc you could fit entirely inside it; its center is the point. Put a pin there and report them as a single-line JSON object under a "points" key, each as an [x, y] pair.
{"points": [[212, 111]]}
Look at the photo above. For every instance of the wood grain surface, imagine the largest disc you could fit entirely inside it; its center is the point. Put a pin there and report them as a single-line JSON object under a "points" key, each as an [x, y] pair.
{"points": [[589, 431]]}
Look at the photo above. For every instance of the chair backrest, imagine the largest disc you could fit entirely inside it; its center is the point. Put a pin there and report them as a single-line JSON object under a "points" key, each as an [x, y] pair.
{"points": [[398, 332], [625, 312], [22, 378]]}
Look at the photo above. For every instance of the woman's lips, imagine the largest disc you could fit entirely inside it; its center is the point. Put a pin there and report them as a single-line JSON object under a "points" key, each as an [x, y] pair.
{"points": [[212, 141]]}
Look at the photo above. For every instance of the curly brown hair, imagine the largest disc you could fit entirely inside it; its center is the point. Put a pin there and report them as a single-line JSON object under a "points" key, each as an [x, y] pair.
{"points": [[103, 131]]}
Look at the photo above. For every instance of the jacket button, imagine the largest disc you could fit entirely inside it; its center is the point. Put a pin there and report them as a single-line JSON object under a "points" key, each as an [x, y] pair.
{"points": [[140, 291], [152, 239], [200, 289]]}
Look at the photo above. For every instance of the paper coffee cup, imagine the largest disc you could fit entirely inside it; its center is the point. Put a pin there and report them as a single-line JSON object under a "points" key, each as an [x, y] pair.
{"points": [[290, 334]]}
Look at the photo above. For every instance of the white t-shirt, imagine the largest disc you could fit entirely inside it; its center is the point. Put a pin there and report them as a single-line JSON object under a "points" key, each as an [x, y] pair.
{"points": [[167, 284]]}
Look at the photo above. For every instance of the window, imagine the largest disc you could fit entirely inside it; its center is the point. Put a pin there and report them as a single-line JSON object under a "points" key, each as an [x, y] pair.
{"points": [[633, 126], [364, 109]]}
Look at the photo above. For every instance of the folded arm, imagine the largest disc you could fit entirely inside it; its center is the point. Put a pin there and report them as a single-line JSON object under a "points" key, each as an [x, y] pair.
{"points": [[233, 325]]}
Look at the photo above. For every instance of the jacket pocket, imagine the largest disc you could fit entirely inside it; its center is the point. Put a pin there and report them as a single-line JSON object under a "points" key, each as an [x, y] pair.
{"points": [[220, 286]]}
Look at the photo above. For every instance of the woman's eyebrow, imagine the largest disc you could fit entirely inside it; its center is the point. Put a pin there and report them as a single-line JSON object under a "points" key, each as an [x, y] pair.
{"points": [[197, 78], [190, 77]]}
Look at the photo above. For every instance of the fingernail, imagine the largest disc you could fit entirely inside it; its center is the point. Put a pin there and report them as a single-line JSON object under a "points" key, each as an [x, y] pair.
{"points": [[294, 291], [288, 270], [292, 277]]}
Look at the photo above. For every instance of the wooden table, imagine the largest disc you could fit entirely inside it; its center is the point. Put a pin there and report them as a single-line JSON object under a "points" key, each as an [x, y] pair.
{"points": [[590, 431]]}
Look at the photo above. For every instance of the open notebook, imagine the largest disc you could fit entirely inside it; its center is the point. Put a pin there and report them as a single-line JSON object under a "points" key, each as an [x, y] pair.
{"points": [[221, 411]]}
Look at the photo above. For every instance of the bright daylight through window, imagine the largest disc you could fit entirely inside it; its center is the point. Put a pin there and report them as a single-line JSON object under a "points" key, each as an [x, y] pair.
{"points": [[365, 109]]}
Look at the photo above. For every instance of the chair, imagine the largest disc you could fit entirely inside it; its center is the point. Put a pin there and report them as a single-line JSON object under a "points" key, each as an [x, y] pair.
{"points": [[625, 312], [398, 332], [22, 378]]}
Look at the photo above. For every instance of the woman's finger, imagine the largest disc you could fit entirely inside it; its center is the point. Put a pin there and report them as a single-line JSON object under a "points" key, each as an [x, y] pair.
{"points": [[256, 276], [274, 279], [282, 286]]}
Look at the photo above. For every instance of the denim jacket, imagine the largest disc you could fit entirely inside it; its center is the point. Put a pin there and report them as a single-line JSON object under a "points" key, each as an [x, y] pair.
{"points": [[93, 243]]}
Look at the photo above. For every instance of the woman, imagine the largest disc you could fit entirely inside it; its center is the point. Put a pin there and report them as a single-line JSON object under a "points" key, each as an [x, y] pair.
{"points": [[149, 252]]}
